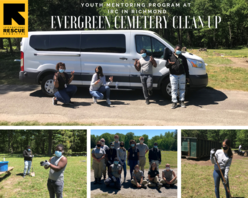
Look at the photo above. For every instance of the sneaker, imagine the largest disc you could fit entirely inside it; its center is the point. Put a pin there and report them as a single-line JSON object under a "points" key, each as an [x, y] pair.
{"points": [[108, 101], [174, 105], [71, 102], [158, 187], [54, 101], [147, 102], [143, 187], [183, 104], [150, 92], [94, 100]]}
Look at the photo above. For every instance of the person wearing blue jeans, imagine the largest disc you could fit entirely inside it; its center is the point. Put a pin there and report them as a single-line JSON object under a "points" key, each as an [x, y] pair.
{"points": [[122, 156], [98, 86], [224, 159], [63, 91], [132, 156], [179, 73], [28, 156]]}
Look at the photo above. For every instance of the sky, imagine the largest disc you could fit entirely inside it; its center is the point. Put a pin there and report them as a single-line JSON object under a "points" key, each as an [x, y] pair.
{"points": [[137, 132]]}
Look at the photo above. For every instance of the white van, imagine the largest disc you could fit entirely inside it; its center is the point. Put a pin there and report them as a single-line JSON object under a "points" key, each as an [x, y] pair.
{"points": [[114, 50]]}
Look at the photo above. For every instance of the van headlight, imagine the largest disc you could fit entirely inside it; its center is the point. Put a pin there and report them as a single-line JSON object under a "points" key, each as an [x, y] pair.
{"points": [[196, 63]]}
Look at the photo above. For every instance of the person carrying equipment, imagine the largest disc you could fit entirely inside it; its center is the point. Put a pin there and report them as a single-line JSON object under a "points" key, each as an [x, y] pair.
{"points": [[57, 165]]}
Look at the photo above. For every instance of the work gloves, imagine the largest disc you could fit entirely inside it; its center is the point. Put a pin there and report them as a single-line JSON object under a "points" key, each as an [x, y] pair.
{"points": [[31, 155], [225, 180], [45, 163], [212, 152]]}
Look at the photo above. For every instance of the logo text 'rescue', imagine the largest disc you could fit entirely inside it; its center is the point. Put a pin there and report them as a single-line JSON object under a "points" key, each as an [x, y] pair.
{"points": [[14, 20]]}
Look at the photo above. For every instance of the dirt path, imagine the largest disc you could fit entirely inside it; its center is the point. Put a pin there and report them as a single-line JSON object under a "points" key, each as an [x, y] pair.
{"points": [[237, 62], [128, 191]]}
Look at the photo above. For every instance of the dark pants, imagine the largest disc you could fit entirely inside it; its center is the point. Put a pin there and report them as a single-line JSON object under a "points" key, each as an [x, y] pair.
{"points": [[147, 84], [65, 95], [55, 188], [117, 184], [132, 164], [217, 177]]}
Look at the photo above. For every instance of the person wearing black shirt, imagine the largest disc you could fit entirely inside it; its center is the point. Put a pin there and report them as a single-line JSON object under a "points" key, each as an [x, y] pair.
{"points": [[132, 156], [155, 155], [63, 91], [110, 155], [179, 73], [28, 155], [153, 177]]}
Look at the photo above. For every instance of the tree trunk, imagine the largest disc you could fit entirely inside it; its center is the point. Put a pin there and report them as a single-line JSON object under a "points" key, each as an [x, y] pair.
{"points": [[230, 34], [1, 43], [10, 46], [50, 139]]}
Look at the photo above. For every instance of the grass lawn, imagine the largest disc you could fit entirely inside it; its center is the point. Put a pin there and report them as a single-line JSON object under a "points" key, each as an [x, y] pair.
{"points": [[167, 157], [14, 185], [197, 180]]}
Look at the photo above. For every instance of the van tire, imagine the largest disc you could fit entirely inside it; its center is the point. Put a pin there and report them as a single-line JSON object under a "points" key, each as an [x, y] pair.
{"points": [[166, 88], [47, 85]]}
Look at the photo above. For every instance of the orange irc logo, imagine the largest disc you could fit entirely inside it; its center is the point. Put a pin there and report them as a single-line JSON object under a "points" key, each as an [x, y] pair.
{"points": [[14, 18]]}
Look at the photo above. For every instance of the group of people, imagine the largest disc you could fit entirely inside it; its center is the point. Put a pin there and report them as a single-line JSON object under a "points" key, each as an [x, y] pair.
{"points": [[177, 64], [57, 165], [112, 160]]}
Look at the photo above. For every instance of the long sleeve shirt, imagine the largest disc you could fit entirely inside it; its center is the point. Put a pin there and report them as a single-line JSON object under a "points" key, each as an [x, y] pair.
{"points": [[95, 87], [122, 154], [27, 154], [224, 161]]}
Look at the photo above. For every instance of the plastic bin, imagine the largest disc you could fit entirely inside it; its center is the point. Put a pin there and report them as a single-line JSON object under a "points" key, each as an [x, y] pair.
{"points": [[4, 166]]}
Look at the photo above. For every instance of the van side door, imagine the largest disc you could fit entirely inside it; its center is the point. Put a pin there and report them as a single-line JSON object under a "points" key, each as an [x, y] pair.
{"points": [[108, 50]]}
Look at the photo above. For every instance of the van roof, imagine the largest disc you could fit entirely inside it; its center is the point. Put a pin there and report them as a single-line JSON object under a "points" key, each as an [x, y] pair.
{"points": [[89, 31]]}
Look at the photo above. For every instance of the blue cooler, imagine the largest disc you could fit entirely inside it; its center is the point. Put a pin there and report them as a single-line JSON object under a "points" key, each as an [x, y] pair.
{"points": [[4, 166]]}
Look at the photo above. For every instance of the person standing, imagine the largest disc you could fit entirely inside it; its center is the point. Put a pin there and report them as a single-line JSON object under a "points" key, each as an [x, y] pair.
{"points": [[28, 156], [122, 157], [144, 66], [98, 155], [57, 165], [155, 155], [224, 158], [132, 156], [153, 176], [179, 73], [114, 174], [138, 178], [143, 149], [98, 86], [63, 91], [110, 155], [169, 177], [104, 162], [116, 142]]}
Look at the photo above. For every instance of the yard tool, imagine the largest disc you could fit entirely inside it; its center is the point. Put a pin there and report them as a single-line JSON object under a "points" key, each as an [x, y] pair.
{"points": [[222, 175], [32, 173]]}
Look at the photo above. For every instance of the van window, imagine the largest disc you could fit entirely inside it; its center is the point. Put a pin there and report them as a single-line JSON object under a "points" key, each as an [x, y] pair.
{"points": [[55, 42], [152, 45], [106, 43], [39, 42], [143, 42]]}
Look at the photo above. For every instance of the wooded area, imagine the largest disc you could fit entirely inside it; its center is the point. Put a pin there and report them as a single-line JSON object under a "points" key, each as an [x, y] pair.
{"points": [[167, 142], [232, 31], [236, 137], [43, 141]]}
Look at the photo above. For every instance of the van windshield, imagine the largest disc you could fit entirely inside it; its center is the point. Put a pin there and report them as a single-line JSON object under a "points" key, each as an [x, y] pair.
{"points": [[165, 40]]}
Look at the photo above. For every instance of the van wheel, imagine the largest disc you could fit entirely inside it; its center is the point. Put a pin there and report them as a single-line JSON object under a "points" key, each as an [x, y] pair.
{"points": [[47, 85], [166, 88]]}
